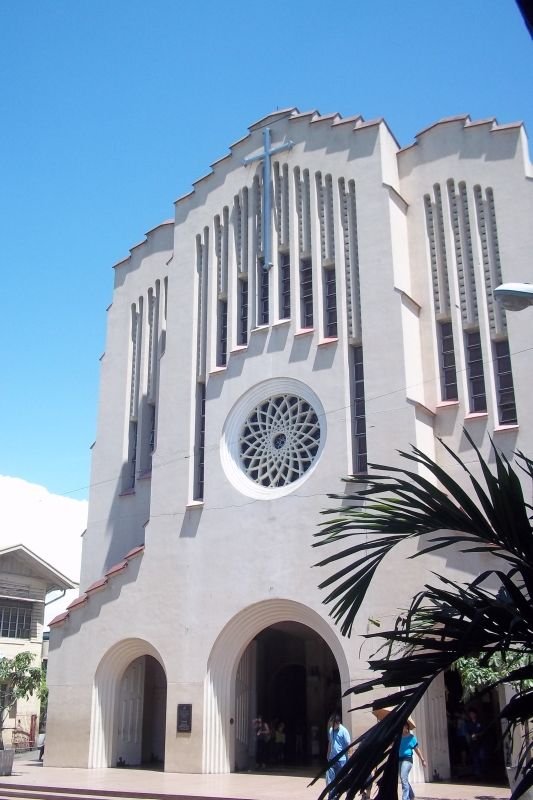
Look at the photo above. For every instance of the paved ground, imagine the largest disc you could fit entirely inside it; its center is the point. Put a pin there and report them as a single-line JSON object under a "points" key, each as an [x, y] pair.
{"points": [[242, 786]]}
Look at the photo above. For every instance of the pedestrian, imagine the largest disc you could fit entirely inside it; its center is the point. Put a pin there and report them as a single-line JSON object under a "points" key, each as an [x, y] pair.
{"points": [[408, 746], [262, 733], [474, 733], [338, 741]]}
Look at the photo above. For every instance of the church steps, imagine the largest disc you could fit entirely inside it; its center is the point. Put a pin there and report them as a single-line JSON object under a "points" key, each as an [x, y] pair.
{"points": [[31, 792]]}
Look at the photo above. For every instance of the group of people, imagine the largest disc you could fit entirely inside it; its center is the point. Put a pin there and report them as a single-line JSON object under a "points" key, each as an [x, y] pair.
{"points": [[339, 743], [467, 745], [271, 740]]}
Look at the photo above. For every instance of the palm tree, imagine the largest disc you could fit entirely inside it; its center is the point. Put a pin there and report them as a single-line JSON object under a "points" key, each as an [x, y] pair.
{"points": [[445, 621]]}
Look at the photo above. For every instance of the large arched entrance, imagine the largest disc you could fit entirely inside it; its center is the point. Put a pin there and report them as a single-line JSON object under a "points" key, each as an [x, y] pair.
{"points": [[305, 660], [129, 707], [288, 678]]}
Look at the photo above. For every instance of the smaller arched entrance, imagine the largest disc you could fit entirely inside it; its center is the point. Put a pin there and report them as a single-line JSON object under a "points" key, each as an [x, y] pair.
{"points": [[129, 707]]}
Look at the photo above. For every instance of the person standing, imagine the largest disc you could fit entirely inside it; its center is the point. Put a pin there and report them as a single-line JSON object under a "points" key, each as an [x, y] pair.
{"points": [[338, 740], [408, 746]]}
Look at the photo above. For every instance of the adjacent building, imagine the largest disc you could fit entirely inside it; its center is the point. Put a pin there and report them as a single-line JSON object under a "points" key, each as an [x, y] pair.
{"points": [[26, 583]]}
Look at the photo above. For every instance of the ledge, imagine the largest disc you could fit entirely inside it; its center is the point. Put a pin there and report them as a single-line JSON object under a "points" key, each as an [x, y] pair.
{"points": [[126, 492], [216, 370], [477, 415], [143, 476], [59, 620], [304, 332], [328, 340], [79, 601], [117, 568], [96, 586], [503, 428], [134, 553], [281, 322], [239, 348], [447, 404], [195, 504]]}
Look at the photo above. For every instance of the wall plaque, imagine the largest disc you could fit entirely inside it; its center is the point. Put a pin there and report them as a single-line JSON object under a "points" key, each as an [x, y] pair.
{"points": [[184, 717]]}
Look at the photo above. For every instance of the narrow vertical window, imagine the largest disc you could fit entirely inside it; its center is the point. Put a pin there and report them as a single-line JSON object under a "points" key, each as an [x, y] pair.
{"points": [[263, 280], [358, 411], [504, 383], [151, 428], [474, 371], [448, 372], [131, 465], [284, 269], [222, 339], [330, 303], [199, 456], [243, 312], [306, 292]]}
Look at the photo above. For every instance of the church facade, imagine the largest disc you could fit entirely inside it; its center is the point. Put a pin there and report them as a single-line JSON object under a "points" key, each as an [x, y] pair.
{"points": [[321, 299]]}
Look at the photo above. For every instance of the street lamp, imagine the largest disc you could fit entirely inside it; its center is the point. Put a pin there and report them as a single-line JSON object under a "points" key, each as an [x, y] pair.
{"points": [[514, 296]]}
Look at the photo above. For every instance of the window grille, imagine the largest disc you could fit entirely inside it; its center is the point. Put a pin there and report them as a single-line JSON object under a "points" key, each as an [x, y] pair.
{"points": [[306, 292], [131, 465], [222, 349], [360, 464], [475, 373], [284, 285], [15, 620], [330, 302], [243, 312], [504, 383], [448, 372], [152, 417], [264, 275], [279, 440], [198, 493]]}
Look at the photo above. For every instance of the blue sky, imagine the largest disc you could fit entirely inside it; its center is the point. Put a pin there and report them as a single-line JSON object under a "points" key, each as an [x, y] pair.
{"points": [[111, 109]]}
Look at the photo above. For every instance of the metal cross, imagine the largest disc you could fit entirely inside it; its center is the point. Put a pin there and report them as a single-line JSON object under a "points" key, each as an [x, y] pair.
{"points": [[265, 157]]}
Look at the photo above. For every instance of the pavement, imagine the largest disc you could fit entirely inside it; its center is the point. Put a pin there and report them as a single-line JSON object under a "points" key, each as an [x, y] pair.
{"points": [[30, 779]]}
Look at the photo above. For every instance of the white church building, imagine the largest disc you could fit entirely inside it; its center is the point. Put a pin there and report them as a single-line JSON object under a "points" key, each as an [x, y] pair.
{"points": [[322, 297]]}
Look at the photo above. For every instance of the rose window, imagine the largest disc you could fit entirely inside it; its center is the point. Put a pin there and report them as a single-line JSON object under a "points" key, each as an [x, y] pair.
{"points": [[279, 440]]}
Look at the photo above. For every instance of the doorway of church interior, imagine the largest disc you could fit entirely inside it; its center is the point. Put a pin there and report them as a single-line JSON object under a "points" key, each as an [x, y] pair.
{"points": [[141, 715], [287, 685]]}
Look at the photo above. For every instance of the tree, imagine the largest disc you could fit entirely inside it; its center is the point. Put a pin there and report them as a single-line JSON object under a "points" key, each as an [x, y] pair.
{"points": [[18, 680], [446, 621]]}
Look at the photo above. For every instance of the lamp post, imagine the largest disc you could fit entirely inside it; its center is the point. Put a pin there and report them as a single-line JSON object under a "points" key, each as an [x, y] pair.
{"points": [[514, 296]]}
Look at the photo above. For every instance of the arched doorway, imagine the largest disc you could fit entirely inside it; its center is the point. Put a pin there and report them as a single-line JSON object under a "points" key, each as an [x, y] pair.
{"points": [[129, 707], [230, 697], [141, 714], [289, 678]]}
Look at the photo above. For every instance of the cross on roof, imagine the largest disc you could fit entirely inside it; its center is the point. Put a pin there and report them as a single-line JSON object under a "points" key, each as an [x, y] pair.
{"points": [[264, 156]]}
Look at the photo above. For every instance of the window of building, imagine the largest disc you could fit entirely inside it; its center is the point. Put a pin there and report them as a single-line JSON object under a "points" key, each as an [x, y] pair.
{"points": [[130, 468], [284, 285], [242, 333], [306, 292], [448, 372], [264, 276], [330, 302], [222, 344], [15, 619], [474, 371], [359, 412], [279, 440], [504, 383], [199, 466]]}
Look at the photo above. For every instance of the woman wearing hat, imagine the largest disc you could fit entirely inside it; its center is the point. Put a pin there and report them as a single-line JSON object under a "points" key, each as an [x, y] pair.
{"points": [[408, 746]]}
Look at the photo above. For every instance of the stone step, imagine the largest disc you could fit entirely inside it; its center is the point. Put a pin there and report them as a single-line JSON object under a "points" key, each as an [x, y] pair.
{"points": [[32, 792]]}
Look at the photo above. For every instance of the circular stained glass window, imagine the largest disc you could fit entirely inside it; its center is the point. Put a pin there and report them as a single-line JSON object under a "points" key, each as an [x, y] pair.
{"points": [[279, 440]]}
